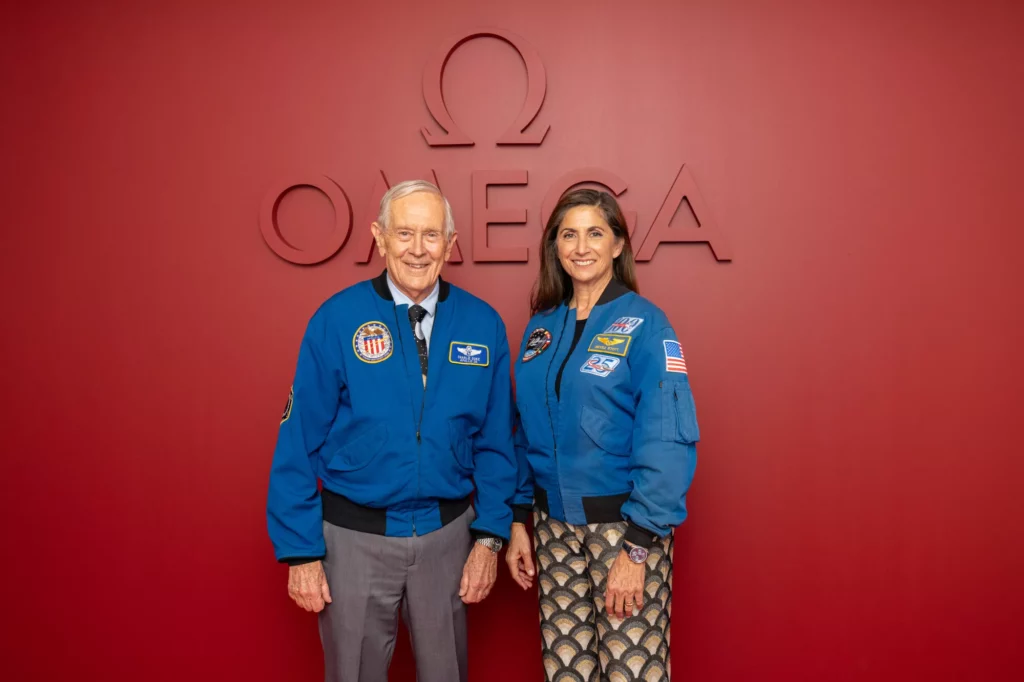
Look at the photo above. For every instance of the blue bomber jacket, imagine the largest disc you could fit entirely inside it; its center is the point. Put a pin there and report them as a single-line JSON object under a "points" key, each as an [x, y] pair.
{"points": [[395, 458], [617, 440]]}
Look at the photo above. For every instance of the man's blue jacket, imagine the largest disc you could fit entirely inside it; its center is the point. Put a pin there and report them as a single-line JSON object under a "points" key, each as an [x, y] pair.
{"points": [[394, 458]]}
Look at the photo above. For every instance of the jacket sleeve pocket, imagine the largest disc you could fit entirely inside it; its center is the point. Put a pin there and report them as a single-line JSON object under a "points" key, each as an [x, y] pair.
{"points": [[678, 413], [360, 450]]}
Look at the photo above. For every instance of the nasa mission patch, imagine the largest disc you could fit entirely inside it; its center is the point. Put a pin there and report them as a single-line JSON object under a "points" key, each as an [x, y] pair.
{"points": [[288, 405], [600, 365], [537, 342], [372, 342], [625, 325]]}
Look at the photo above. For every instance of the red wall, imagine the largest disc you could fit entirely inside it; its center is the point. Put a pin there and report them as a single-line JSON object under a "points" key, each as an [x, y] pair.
{"points": [[856, 513]]}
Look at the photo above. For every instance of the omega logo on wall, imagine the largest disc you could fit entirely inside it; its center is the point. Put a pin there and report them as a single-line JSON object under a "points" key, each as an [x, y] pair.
{"points": [[523, 131]]}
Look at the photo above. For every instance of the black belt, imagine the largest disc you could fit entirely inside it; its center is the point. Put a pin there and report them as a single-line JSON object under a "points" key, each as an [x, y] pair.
{"points": [[343, 512], [599, 509]]}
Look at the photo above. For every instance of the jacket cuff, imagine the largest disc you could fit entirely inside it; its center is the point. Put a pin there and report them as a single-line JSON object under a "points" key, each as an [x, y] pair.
{"points": [[639, 536], [299, 560], [521, 513], [477, 534]]}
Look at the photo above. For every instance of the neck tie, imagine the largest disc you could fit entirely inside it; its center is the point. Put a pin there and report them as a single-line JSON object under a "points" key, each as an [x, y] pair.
{"points": [[416, 315]]}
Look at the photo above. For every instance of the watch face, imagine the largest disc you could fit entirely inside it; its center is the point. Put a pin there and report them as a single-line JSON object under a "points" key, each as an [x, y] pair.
{"points": [[638, 555]]}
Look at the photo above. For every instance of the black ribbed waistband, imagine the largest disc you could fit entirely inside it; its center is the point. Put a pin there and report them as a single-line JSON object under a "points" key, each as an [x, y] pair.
{"points": [[343, 512], [598, 509]]}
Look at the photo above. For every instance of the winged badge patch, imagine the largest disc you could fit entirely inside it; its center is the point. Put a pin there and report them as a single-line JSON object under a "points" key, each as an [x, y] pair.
{"points": [[611, 344], [462, 353]]}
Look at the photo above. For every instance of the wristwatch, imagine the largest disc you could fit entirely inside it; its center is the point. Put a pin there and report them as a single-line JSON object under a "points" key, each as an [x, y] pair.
{"points": [[493, 544], [636, 553]]}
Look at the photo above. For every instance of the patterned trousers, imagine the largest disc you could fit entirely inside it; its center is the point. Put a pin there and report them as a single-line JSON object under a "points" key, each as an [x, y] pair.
{"points": [[580, 643]]}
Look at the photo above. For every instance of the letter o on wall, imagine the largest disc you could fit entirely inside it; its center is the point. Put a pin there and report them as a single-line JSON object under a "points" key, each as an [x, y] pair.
{"points": [[321, 252]]}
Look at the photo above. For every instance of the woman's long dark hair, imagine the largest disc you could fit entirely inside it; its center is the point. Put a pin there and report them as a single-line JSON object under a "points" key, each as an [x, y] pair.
{"points": [[553, 285]]}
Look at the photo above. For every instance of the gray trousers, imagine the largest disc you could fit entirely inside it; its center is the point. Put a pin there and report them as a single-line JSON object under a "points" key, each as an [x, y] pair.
{"points": [[370, 578]]}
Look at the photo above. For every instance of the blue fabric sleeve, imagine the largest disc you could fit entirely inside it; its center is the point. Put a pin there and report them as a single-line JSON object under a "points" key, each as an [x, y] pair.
{"points": [[294, 513], [494, 457], [664, 435], [524, 474]]}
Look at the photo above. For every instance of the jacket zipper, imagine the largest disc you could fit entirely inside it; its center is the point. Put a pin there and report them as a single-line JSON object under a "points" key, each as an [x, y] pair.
{"points": [[547, 403], [419, 456], [419, 426], [419, 423]]}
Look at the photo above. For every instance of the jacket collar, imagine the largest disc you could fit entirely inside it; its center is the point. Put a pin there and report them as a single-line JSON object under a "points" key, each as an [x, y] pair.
{"points": [[380, 285], [614, 290], [611, 292]]}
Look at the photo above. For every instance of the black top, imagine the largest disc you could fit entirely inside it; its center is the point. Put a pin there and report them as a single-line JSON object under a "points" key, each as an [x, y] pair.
{"points": [[575, 339]]}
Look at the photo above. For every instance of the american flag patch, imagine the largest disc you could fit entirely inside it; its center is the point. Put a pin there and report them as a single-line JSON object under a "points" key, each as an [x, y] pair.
{"points": [[674, 361]]}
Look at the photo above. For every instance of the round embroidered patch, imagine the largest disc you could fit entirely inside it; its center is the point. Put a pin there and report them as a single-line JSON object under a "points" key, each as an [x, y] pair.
{"points": [[539, 340], [372, 342]]}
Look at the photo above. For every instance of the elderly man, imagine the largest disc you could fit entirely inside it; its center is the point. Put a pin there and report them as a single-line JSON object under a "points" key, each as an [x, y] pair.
{"points": [[401, 405]]}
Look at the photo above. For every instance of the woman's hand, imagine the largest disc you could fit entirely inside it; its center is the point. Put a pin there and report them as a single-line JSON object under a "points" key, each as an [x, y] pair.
{"points": [[519, 556], [624, 590]]}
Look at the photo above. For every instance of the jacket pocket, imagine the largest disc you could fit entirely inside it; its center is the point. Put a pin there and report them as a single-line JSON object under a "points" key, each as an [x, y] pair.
{"points": [[678, 413], [360, 450], [607, 435], [462, 446]]}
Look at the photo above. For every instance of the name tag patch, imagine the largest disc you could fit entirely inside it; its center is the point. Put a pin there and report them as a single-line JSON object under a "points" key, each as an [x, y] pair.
{"points": [[625, 325], [461, 353], [600, 365], [612, 344]]}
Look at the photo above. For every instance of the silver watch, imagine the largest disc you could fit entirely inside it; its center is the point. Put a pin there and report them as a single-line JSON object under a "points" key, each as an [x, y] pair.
{"points": [[636, 553], [493, 544]]}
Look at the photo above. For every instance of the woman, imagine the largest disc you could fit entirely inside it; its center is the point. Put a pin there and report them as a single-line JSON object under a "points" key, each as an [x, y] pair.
{"points": [[605, 439]]}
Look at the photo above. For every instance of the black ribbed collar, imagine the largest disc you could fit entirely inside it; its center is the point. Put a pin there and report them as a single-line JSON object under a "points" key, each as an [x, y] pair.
{"points": [[380, 285], [611, 292]]}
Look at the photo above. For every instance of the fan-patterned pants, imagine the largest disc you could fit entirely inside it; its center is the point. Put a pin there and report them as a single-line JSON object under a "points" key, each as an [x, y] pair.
{"points": [[580, 643]]}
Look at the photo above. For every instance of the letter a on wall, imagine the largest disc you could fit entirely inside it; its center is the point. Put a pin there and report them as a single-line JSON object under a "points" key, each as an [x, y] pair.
{"points": [[685, 189]]}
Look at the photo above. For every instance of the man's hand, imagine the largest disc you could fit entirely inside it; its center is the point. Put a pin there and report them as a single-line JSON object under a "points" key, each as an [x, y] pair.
{"points": [[624, 590], [479, 574], [519, 556], [307, 585]]}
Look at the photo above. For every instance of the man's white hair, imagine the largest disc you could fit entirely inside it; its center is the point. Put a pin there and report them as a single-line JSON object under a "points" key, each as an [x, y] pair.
{"points": [[404, 189]]}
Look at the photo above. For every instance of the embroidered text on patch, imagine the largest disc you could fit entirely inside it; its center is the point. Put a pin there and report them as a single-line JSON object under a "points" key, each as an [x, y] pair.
{"points": [[612, 344], [600, 365], [462, 353], [674, 361], [372, 342], [625, 325]]}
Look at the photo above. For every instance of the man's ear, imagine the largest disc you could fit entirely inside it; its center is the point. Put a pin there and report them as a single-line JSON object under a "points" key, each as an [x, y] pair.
{"points": [[378, 236], [451, 245]]}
